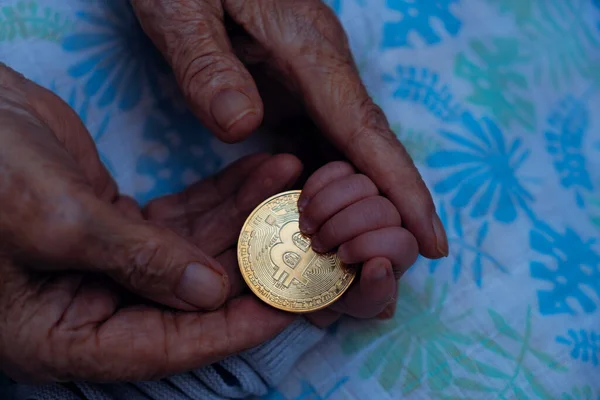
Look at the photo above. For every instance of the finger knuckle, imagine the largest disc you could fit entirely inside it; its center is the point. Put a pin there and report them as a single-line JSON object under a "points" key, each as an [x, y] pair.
{"points": [[325, 175], [381, 209], [334, 170], [330, 232], [62, 226], [206, 71], [146, 266], [305, 28], [373, 124], [364, 184], [402, 248], [317, 24], [412, 248], [373, 116], [409, 180], [341, 167]]}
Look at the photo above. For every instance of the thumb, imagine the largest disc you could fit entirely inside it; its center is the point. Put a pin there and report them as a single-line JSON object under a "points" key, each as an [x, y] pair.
{"points": [[192, 37], [156, 263], [149, 260]]}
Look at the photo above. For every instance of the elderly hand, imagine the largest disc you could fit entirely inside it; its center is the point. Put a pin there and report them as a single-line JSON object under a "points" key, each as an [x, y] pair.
{"points": [[70, 247], [221, 49]]}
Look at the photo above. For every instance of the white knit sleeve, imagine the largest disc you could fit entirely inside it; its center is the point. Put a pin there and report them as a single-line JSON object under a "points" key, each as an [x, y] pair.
{"points": [[237, 377]]}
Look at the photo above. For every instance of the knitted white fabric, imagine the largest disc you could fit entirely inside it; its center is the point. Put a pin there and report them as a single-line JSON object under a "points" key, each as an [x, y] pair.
{"points": [[237, 377]]}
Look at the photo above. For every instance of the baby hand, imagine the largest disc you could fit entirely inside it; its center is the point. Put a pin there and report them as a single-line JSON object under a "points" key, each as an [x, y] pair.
{"points": [[342, 210]]}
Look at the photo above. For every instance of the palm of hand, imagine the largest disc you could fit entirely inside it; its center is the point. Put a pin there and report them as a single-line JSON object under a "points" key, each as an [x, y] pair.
{"points": [[63, 224], [57, 318]]}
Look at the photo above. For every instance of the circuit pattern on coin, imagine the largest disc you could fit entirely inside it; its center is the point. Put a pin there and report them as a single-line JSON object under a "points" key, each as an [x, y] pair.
{"points": [[279, 265]]}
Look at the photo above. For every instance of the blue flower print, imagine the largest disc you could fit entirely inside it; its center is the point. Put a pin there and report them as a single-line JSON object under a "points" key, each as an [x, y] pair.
{"points": [[337, 5], [423, 86], [119, 63], [568, 126], [483, 171], [570, 266], [416, 16], [178, 150], [309, 392], [466, 249], [585, 346]]}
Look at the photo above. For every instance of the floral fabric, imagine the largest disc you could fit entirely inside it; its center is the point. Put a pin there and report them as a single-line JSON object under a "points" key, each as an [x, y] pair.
{"points": [[496, 101]]}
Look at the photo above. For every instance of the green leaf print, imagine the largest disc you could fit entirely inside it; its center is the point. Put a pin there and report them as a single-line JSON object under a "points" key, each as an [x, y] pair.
{"points": [[554, 44], [26, 20], [470, 365], [524, 361], [417, 143], [417, 348], [548, 361], [470, 384], [497, 85], [537, 387], [371, 363], [556, 37], [519, 393], [594, 210], [493, 346], [412, 378], [521, 9], [502, 326], [447, 397], [419, 351], [581, 393], [438, 367], [393, 366], [410, 350]]}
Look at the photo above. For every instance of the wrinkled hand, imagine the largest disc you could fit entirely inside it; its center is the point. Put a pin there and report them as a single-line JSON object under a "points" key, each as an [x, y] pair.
{"points": [[69, 247], [345, 212], [236, 59], [211, 213]]}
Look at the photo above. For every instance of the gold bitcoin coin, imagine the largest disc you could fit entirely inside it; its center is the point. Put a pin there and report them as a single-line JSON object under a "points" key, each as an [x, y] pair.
{"points": [[279, 265]]}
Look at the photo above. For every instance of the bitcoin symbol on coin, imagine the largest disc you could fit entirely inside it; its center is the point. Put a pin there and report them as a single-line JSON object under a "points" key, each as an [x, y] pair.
{"points": [[278, 263], [292, 256]]}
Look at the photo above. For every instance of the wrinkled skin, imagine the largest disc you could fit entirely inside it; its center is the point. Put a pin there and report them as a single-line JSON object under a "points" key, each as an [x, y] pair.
{"points": [[241, 61], [371, 238], [70, 247], [85, 274], [347, 213]]}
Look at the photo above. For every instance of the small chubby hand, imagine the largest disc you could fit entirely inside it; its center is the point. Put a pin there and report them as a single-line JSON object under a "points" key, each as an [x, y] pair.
{"points": [[343, 210]]}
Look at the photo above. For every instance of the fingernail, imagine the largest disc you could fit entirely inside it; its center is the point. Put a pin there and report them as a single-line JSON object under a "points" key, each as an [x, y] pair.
{"points": [[316, 245], [302, 203], [230, 106], [202, 287], [342, 253], [305, 225], [440, 235], [389, 311], [380, 273]]}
